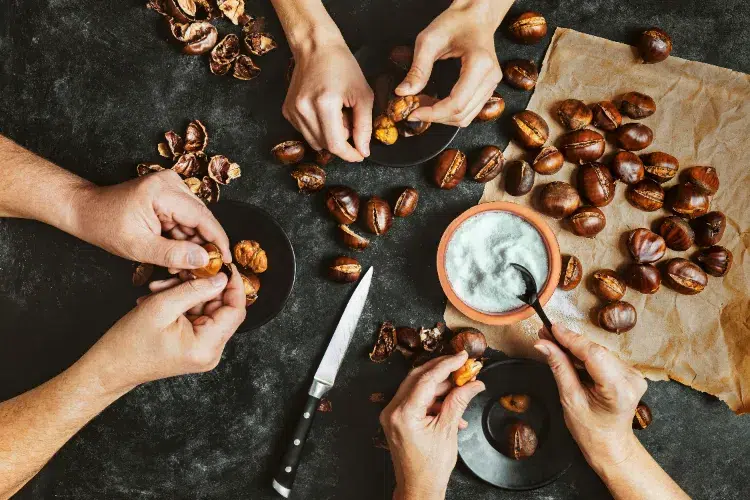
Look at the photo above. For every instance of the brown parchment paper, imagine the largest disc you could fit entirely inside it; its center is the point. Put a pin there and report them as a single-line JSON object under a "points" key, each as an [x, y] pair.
{"points": [[702, 118]]}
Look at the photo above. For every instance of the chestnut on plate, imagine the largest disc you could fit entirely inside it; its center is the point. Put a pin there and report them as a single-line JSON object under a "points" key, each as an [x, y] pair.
{"points": [[516, 403], [685, 277], [617, 317], [352, 239], [250, 255], [571, 272]]}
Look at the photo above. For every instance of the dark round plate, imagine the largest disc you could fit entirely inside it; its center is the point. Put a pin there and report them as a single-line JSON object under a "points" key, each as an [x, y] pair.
{"points": [[480, 445], [405, 152], [243, 221]]}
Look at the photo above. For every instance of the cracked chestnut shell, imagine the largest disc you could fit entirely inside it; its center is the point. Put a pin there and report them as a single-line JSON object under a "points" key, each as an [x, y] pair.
{"points": [[531, 130], [559, 199], [627, 167], [688, 201], [470, 340], [573, 114], [596, 184], [528, 28], [245, 68], [406, 202], [250, 255], [487, 165], [467, 373], [223, 171], [408, 337], [148, 168], [654, 45], [400, 108], [196, 137], [607, 285], [259, 43], [715, 260], [251, 283], [142, 274], [190, 164], [660, 166], [520, 440], [492, 109], [633, 136], [521, 74], [646, 246], [401, 56], [519, 178], [549, 161], [636, 105], [709, 228], [342, 203], [685, 277], [289, 152], [345, 270], [450, 168], [587, 221], [310, 177], [617, 317], [323, 157], [581, 146], [214, 262], [516, 403], [378, 217], [677, 233], [606, 116], [571, 273], [199, 37], [352, 239], [206, 189], [704, 178], [226, 51], [642, 417], [643, 278], [385, 344], [648, 195]]}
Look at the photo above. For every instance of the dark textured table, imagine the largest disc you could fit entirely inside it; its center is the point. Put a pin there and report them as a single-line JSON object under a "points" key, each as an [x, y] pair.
{"points": [[93, 85]]}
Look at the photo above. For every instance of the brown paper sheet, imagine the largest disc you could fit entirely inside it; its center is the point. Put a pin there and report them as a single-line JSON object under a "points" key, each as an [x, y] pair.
{"points": [[702, 118]]}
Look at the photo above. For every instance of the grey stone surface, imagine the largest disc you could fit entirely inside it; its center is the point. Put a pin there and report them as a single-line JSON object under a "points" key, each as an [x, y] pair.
{"points": [[93, 85]]}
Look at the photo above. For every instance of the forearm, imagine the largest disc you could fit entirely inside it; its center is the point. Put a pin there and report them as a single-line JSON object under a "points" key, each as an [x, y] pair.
{"points": [[34, 425], [306, 23]]}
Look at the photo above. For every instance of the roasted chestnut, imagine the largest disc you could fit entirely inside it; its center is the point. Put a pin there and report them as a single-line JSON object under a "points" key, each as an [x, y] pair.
{"points": [[605, 116], [645, 246], [637, 106], [642, 417], [633, 136], [517, 403], [709, 228], [378, 217], [310, 177], [289, 152], [715, 260], [352, 239], [581, 146], [384, 130], [400, 108], [688, 201], [450, 168], [572, 272], [677, 233], [406, 203], [644, 278], [528, 28], [323, 157], [343, 204], [492, 109], [617, 317], [250, 255], [521, 74], [214, 262], [596, 184], [627, 167], [647, 195], [345, 270], [549, 161], [660, 166], [470, 340], [408, 337], [385, 344], [520, 440], [607, 285], [587, 221], [251, 283], [531, 130], [401, 56], [245, 68], [574, 114], [488, 164], [559, 199], [685, 277], [519, 178], [704, 178], [655, 45], [467, 373]]}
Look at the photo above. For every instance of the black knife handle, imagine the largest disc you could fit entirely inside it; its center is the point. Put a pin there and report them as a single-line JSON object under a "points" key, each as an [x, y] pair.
{"points": [[284, 478], [545, 320]]}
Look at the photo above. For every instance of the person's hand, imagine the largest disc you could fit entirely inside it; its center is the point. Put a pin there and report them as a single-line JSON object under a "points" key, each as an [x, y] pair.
{"points": [[466, 31], [421, 424], [326, 80], [180, 328], [599, 416], [129, 220]]}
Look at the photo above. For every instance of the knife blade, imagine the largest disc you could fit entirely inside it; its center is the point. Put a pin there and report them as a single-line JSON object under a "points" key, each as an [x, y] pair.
{"points": [[323, 380]]}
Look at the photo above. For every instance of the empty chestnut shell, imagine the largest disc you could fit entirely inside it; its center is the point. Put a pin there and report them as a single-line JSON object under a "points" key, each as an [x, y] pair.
{"points": [[470, 340], [521, 74], [488, 164], [289, 152], [677, 233], [688, 201], [642, 417], [617, 317], [645, 246], [571, 272], [385, 344], [685, 277], [406, 203], [559, 199], [310, 177], [408, 337], [148, 168], [343, 204], [587, 221], [607, 285], [450, 168], [528, 28], [605, 116], [492, 109], [221, 170], [519, 178], [633, 136], [581, 146], [378, 217], [345, 270], [715, 260], [704, 178], [352, 239], [596, 184], [520, 441], [709, 228], [648, 195], [245, 68], [549, 161], [644, 278], [627, 167], [574, 114], [637, 106], [531, 130], [654, 45], [660, 166]]}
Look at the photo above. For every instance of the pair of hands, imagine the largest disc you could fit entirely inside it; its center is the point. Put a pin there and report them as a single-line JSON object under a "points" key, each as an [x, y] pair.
{"points": [[422, 431], [327, 79]]}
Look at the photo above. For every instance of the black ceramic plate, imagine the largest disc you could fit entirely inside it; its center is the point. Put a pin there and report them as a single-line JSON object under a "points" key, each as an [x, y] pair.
{"points": [[405, 152], [480, 445], [243, 221]]}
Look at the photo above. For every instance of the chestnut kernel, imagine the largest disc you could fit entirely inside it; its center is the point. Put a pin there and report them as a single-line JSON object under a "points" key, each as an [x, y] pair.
{"points": [[571, 273], [596, 184], [214, 262], [517, 403], [704, 178], [574, 114], [289, 152], [617, 317], [310, 177], [385, 344], [642, 417], [521, 74], [637, 106], [646, 246], [715, 260], [408, 337], [685, 277], [385, 130], [677, 233], [492, 109], [587, 221], [633, 136], [660, 166], [559, 199], [607, 285], [250, 255], [606, 116], [581, 146], [531, 130], [643, 278], [709, 228], [627, 167], [352, 239], [647, 195], [467, 373], [378, 217], [528, 28], [406, 203], [344, 270], [450, 168], [470, 340], [519, 178], [343, 204], [688, 201], [487, 165], [549, 161], [520, 441], [655, 45]]}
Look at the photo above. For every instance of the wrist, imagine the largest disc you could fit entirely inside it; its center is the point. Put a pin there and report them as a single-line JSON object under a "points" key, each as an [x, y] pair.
{"points": [[80, 201], [99, 378], [426, 490], [490, 12], [613, 455], [309, 39]]}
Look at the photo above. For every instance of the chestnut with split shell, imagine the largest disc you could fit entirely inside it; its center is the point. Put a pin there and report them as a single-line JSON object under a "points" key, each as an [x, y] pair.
{"points": [[250, 255], [572, 273], [345, 270], [214, 262]]}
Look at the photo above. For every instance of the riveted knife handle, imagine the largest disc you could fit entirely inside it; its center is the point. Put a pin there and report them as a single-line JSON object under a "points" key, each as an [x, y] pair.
{"points": [[284, 478]]}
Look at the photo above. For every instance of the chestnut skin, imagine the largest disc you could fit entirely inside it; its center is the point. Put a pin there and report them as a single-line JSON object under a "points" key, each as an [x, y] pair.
{"points": [[528, 28], [617, 317], [492, 109], [607, 285], [342, 203], [519, 178], [587, 221], [688, 201], [378, 216], [581, 146], [627, 167], [709, 228], [406, 202], [648, 195], [574, 114], [487, 165], [344, 270], [633, 136], [289, 152], [520, 440], [352, 239], [661, 167], [715, 260], [521, 74], [596, 184], [548, 161], [531, 130], [644, 278], [606, 116], [559, 199], [450, 168], [571, 273], [646, 246], [677, 233], [642, 417], [704, 178], [636, 105], [685, 277]]}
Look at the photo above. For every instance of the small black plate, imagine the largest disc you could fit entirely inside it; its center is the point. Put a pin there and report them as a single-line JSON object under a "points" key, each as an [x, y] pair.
{"points": [[480, 447], [243, 221], [406, 152]]}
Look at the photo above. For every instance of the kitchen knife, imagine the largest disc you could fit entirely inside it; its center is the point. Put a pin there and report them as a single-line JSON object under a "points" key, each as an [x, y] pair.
{"points": [[322, 383]]}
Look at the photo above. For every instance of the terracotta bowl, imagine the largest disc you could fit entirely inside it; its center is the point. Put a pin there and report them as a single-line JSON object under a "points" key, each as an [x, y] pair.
{"points": [[553, 255]]}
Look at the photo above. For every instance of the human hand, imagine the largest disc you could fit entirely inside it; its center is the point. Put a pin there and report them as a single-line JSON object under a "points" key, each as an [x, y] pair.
{"points": [[599, 416], [422, 427], [129, 219], [466, 31], [326, 80]]}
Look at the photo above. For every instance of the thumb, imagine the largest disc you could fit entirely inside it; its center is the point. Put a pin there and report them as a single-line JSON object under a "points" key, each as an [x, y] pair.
{"points": [[425, 54], [457, 400], [568, 383], [171, 304], [177, 254]]}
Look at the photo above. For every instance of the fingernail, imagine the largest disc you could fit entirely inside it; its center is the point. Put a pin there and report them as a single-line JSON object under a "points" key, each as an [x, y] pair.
{"points": [[218, 279], [404, 87], [198, 258], [542, 348]]}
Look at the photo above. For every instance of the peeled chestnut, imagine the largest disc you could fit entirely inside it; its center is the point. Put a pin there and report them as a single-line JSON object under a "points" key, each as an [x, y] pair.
{"points": [[531, 130], [677, 233], [519, 178], [572, 272], [606, 116], [520, 440], [644, 278], [406, 203], [378, 217], [596, 184], [627, 167], [528, 28], [647, 195], [214, 262], [704, 178], [685, 277], [587, 221], [637, 106], [352, 239], [642, 417], [660, 166], [289, 152], [655, 45], [633, 136], [617, 317], [581, 146], [450, 168], [343, 204], [492, 109], [715, 260], [549, 161], [689, 201], [607, 285], [470, 340], [646, 246], [517, 403], [344, 270], [384, 129], [250, 255], [559, 199], [467, 373], [487, 165], [709, 228], [521, 74], [574, 114]]}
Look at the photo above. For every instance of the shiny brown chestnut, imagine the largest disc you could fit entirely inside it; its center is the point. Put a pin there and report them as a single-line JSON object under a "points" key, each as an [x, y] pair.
{"points": [[643, 278], [648, 195], [289, 152], [607, 285], [645, 246], [660, 166], [521, 74], [344, 269], [520, 441], [470, 340], [323, 157], [636, 105], [352, 239], [343, 204], [685, 277], [677, 233], [450, 168], [633, 136], [571, 274], [596, 184], [709, 228], [492, 109], [617, 317], [715, 260], [310, 177], [587, 221], [378, 217], [519, 178], [487, 165], [581, 146], [654, 45], [642, 417], [406, 202], [573, 114], [627, 167], [606, 116], [704, 178], [549, 161], [688, 201], [531, 130], [528, 28], [559, 199]]}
